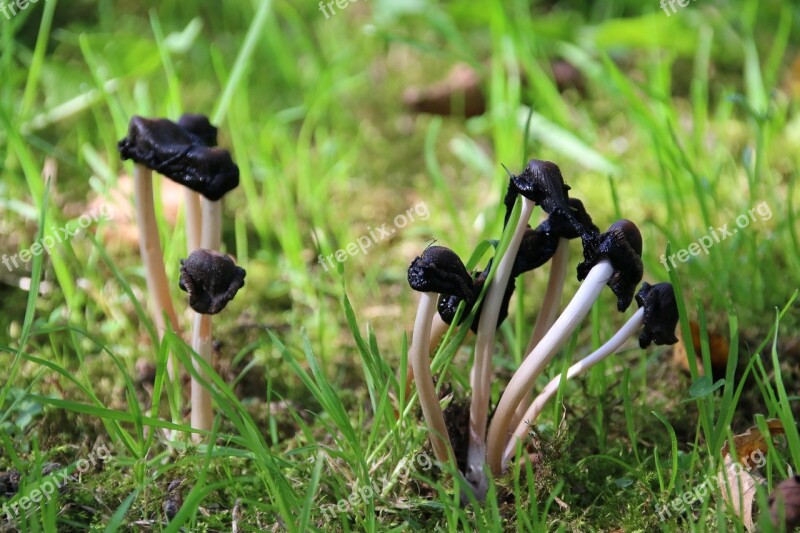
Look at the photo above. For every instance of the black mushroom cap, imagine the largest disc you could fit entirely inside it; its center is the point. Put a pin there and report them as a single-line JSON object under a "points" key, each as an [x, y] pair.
{"points": [[542, 183], [535, 249], [539, 245], [448, 303], [440, 270], [660, 314], [622, 245], [211, 279], [181, 155], [200, 127]]}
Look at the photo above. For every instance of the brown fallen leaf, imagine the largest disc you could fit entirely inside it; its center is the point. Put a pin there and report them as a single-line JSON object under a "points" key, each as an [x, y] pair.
{"points": [[751, 440], [738, 487], [460, 93], [739, 479], [718, 346]]}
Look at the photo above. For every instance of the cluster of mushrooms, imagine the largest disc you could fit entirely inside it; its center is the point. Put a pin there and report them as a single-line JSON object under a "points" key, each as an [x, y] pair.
{"points": [[186, 152], [612, 258]]}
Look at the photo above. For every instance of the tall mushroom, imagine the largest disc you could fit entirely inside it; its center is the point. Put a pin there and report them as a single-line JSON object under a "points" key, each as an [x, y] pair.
{"points": [[437, 271], [560, 231], [616, 261], [212, 280], [657, 317], [540, 184], [182, 154], [206, 133]]}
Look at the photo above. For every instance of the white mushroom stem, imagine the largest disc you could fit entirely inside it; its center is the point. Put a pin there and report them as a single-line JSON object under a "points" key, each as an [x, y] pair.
{"points": [[193, 220], [153, 257], [420, 363], [438, 329], [481, 376], [550, 305], [522, 381], [631, 328], [210, 239]]}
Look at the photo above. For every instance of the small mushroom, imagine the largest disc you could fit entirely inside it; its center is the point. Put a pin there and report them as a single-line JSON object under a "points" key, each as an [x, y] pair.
{"points": [[657, 318], [612, 267], [438, 270], [784, 504], [212, 280]]}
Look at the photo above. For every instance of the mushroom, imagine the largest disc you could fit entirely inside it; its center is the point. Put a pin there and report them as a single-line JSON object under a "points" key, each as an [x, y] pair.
{"points": [[183, 154], [540, 184], [437, 271], [560, 232], [616, 261], [212, 280], [657, 317], [205, 133]]}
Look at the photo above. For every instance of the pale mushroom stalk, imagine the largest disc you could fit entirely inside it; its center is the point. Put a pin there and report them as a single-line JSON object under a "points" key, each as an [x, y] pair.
{"points": [[193, 220], [552, 296], [656, 320], [153, 257], [420, 364], [202, 340], [481, 376], [612, 346], [438, 270], [550, 305], [523, 379], [612, 258]]}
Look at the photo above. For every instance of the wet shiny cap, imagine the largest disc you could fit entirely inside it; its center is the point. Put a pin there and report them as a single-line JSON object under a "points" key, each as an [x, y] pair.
{"points": [[211, 279], [660, 314], [622, 245], [200, 127], [181, 155], [542, 183], [448, 304], [441, 271]]}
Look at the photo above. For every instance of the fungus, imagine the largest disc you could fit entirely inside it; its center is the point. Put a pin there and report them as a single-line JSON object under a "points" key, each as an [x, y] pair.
{"points": [[560, 232], [618, 263], [437, 271], [212, 280], [657, 318], [540, 184], [204, 133], [181, 153]]}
